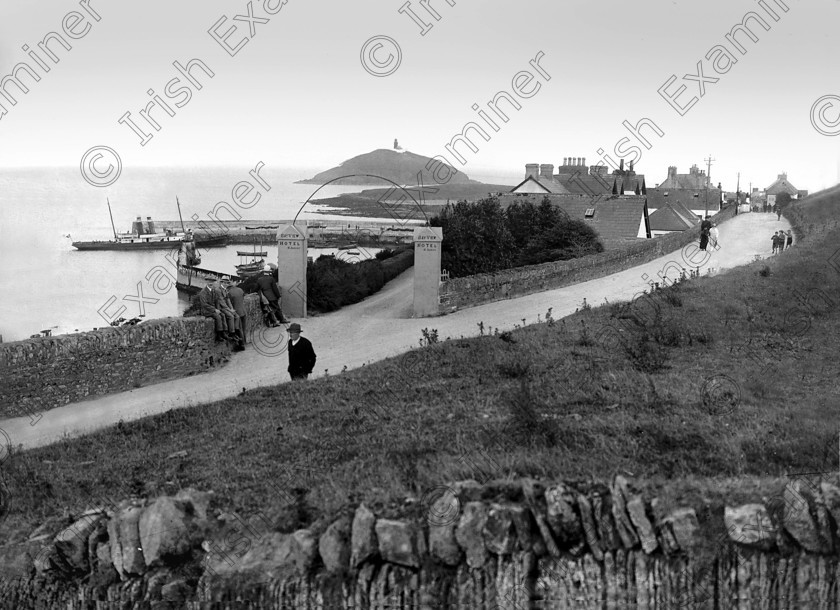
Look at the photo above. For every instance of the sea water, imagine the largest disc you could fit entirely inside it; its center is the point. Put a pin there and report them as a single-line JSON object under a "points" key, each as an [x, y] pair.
{"points": [[46, 284]]}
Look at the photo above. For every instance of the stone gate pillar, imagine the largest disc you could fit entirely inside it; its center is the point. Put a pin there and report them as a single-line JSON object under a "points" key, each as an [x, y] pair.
{"points": [[427, 251], [291, 268]]}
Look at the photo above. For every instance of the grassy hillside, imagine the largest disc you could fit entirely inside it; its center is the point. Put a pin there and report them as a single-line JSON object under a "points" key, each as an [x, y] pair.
{"points": [[718, 377]]}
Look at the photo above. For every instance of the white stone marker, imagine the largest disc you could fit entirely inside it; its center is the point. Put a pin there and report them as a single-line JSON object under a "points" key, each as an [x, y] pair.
{"points": [[291, 264], [427, 252]]}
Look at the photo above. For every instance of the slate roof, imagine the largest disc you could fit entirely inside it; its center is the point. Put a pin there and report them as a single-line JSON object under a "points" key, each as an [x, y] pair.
{"points": [[781, 185], [543, 186], [668, 219], [617, 218], [684, 181], [580, 183], [657, 198]]}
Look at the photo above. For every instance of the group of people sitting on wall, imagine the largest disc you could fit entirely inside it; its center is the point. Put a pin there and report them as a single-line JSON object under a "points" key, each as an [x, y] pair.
{"points": [[223, 300]]}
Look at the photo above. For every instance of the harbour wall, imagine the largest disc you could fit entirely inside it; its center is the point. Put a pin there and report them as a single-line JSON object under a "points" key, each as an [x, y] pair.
{"points": [[48, 372], [469, 291], [512, 544]]}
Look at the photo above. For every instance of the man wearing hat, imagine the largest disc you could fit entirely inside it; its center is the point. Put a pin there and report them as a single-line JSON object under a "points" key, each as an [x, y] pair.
{"points": [[207, 308], [268, 288], [301, 354], [237, 299]]}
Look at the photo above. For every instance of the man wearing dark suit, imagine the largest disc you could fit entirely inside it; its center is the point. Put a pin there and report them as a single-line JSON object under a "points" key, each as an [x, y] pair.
{"points": [[236, 297], [271, 291], [301, 355], [207, 308]]}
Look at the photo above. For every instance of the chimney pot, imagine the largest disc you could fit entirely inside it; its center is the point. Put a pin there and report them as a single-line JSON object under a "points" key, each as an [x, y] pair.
{"points": [[547, 171]]}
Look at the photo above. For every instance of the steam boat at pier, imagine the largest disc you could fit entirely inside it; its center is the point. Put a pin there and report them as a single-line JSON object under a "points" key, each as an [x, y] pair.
{"points": [[143, 236]]}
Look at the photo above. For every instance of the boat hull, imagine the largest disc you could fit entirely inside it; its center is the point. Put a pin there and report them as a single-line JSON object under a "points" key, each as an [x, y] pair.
{"points": [[217, 241], [192, 279]]}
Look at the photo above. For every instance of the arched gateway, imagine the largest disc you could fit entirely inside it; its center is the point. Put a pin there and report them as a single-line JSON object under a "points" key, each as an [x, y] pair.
{"points": [[292, 247]]}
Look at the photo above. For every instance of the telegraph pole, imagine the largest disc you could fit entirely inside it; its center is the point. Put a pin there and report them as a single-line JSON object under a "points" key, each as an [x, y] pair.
{"points": [[708, 180]]}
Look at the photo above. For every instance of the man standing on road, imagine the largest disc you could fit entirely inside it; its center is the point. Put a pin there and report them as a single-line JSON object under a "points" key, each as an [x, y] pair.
{"points": [[301, 355], [271, 291]]}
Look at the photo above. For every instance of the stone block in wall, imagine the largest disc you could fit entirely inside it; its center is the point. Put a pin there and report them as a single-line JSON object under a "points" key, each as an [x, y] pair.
{"points": [[831, 496], [469, 533], [164, 530], [683, 525], [619, 492], [334, 546], [534, 493], [363, 542], [399, 542], [499, 530], [644, 528], [304, 550], [128, 521], [590, 528], [561, 516], [804, 518], [602, 511], [72, 542], [750, 525], [443, 545]]}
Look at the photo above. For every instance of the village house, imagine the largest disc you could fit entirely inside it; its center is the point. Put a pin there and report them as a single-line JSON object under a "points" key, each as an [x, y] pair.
{"points": [[671, 217], [618, 219], [782, 185], [574, 177], [689, 189]]}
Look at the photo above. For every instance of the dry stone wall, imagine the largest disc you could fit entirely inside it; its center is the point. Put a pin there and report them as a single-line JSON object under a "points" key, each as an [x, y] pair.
{"points": [[40, 374], [504, 545], [487, 287]]}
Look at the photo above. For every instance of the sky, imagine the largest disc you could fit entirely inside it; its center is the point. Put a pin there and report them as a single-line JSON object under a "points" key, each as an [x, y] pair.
{"points": [[301, 91]]}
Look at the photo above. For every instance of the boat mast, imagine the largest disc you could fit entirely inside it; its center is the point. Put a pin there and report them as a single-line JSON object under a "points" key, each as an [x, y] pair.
{"points": [[179, 214], [113, 228]]}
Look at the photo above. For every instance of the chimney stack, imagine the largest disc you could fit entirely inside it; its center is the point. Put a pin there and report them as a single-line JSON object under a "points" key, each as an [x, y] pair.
{"points": [[533, 170], [621, 165], [583, 161], [547, 171], [672, 171]]}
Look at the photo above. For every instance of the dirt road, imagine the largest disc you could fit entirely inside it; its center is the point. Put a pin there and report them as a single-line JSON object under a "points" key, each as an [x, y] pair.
{"points": [[379, 327]]}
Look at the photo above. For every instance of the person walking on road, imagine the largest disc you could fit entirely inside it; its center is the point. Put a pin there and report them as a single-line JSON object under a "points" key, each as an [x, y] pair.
{"points": [[789, 240], [713, 236], [778, 210], [301, 355]]}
